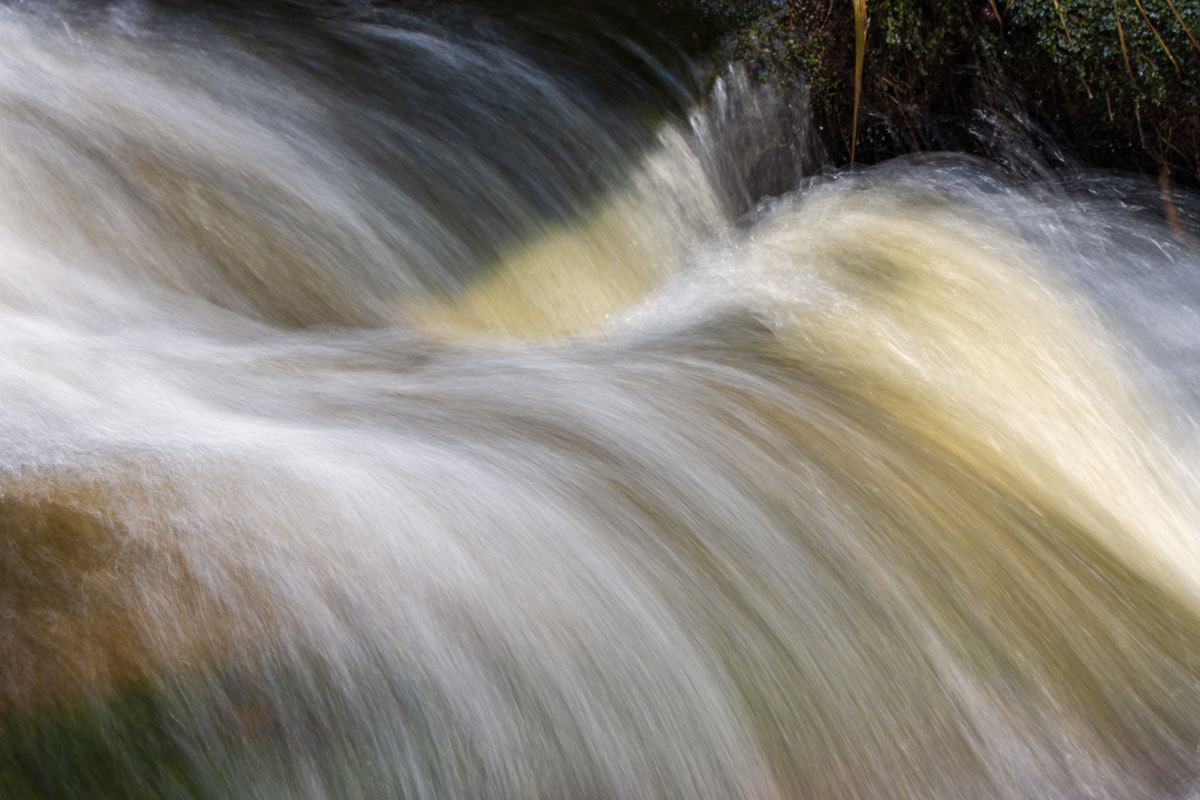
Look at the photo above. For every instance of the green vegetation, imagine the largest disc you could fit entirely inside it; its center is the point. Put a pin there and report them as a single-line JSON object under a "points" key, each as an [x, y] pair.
{"points": [[126, 746], [1119, 80]]}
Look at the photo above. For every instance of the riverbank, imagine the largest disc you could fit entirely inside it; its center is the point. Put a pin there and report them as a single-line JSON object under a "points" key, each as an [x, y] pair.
{"points": [[1098, 85]]}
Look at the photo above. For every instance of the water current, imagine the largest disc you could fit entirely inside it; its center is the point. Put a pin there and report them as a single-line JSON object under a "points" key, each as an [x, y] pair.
{"points": [[431, 402]]}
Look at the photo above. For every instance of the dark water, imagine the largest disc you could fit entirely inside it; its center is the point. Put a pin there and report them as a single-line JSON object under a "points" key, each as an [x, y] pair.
{"points": [[418, 403]]}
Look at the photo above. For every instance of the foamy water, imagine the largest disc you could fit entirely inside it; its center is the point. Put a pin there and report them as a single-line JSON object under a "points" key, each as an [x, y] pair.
{"points": [[385, 412]]}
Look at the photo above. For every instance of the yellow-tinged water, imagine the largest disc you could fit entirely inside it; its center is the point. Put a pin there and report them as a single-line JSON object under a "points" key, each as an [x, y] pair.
{"points": [[365, 439]]}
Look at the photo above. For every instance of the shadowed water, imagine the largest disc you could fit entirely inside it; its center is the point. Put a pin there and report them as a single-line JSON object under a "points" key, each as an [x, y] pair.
{"points": [[391, 408]]}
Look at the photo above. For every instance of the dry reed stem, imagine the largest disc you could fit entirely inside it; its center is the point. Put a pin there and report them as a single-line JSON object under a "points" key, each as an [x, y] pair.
{"points": [[860, 46], [1121, 38], [1154, 30], [1183, 24]]}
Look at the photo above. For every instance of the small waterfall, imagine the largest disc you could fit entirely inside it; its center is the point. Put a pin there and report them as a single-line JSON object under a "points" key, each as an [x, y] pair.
{"points": [[446, 404]]}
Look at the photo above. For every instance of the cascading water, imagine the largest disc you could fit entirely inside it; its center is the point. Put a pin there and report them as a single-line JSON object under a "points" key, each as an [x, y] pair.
{"points": [[388, 409]]}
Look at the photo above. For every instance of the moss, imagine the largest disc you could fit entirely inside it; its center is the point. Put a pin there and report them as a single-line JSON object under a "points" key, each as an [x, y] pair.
{"points": [[1127, 67], [125, 746], [1119, 81]]}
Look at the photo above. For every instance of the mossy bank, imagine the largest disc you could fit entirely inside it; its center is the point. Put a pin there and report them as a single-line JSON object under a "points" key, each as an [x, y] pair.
{"points": [[1107, 84]]}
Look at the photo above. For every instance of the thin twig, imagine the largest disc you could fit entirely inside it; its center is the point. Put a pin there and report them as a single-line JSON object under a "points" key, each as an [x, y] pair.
{"points": [[860, 46], [1063, 20], [1183, 24], [999, 17], [1071, 44], [1121, 38], [1154, 30]]}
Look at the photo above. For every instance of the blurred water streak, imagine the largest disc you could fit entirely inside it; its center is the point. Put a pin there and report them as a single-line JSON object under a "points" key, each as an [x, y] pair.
{"points": [[387, 411]]}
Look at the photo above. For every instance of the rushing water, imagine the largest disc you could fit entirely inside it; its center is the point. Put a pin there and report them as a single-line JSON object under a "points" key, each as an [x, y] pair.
{"points": [[391, 407]]}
